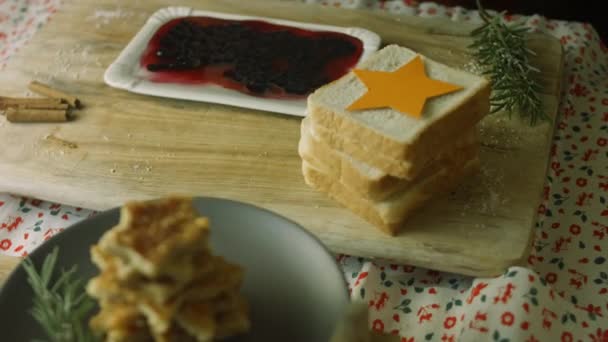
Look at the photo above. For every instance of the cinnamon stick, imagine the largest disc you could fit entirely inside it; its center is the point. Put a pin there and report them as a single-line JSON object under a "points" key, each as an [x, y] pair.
{"points": [[31, 102], [62, 106], [36, 115], [43, 89]]}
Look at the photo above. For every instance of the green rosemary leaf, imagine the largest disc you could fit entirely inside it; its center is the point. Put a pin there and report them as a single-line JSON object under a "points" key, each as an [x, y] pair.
{"points": [[501, 51], [61, 282], [60, 306], [47, 268]]}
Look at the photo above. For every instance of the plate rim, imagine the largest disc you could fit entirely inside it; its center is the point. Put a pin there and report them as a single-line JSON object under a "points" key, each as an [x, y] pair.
{"points": [[46, 247]]}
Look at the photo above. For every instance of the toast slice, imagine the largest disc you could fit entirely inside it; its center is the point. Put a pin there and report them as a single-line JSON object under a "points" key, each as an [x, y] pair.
{"points": [[388, 215], [393, 134], [392, 167], [368, 180]]}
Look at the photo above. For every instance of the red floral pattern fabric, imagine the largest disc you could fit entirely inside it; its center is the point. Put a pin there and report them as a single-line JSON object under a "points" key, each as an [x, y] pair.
{"points": [[19, 20], [562, 293]]}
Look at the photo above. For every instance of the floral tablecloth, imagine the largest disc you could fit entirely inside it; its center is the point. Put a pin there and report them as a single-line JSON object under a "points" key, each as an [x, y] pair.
{"points": [[562, 293]]}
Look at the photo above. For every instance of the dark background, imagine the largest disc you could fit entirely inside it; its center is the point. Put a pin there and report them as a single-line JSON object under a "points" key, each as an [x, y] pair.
{"points": [[582, 10]]}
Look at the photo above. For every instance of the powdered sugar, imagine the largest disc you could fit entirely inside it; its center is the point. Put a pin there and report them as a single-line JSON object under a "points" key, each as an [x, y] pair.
{"points": [[473, 67], [74, 63]]}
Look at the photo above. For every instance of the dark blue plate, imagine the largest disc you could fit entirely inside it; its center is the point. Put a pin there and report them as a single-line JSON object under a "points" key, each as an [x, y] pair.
{"points": [[294, 286]]}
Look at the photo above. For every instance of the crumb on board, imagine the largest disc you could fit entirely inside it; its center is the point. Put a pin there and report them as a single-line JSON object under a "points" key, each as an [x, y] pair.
{"points": [[492, 180], [103, 17], [482, 195], [73, 64], [489, 196], [498, 133], [139, 167]]}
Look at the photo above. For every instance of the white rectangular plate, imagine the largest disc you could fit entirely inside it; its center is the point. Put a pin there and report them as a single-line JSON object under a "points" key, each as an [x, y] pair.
{"points": [[126, 73]]}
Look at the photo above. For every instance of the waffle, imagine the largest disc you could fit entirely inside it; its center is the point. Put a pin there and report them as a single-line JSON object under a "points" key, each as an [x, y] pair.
{"points": [[159, 280], [198, 320], [233, 322], [160, 289], [226, 315], [159, 301], [120, 322], [226, 276], [175, 334], [156, 238]]}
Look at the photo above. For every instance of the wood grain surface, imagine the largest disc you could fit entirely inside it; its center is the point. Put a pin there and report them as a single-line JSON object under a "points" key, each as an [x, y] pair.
{"points": [[7, 265], [124, 146]]}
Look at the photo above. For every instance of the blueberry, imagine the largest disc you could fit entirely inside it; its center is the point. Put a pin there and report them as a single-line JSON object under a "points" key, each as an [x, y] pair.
{"points": [[157, 67], [256, 87]]}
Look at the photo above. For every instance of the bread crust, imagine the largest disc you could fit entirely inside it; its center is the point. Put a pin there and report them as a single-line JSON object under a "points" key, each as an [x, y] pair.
{"points": [[379, 185], [394, 167], [390, 220]]}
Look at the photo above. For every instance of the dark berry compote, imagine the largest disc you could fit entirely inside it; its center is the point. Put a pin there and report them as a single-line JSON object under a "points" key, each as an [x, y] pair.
{"points": [[254, 57]]}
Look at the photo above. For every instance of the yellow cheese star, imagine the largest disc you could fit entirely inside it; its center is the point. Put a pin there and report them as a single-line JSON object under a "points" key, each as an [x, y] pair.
{"points": [[405, 89]]}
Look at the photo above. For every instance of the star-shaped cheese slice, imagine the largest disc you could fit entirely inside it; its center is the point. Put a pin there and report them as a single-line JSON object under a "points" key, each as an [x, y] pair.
{"points": [[405, 90]]}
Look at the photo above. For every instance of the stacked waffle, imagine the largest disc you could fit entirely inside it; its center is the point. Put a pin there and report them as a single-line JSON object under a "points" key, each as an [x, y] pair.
{"points": [[380, 163], [159, 280]]}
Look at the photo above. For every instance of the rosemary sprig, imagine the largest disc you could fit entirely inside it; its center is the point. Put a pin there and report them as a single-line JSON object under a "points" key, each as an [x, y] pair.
{"points": [[501, 51], [60, 306]]}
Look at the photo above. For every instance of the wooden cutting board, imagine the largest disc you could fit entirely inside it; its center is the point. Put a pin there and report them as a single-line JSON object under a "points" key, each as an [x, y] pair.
{"points": [[125, 146]]}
